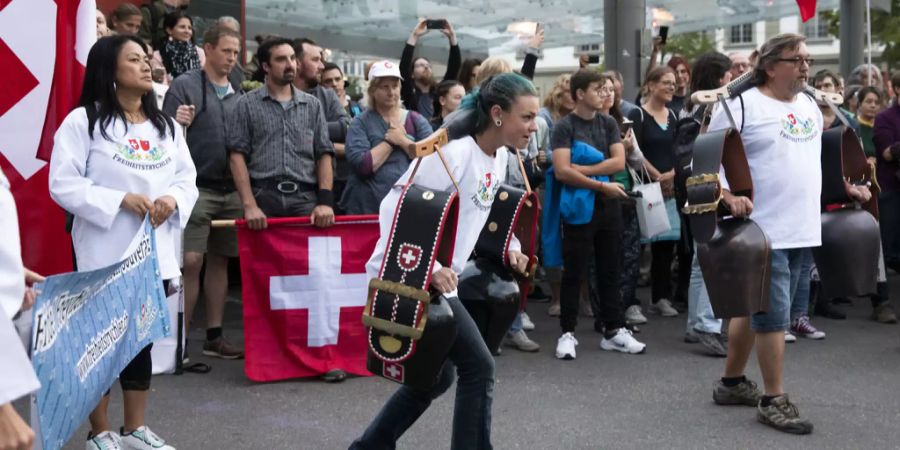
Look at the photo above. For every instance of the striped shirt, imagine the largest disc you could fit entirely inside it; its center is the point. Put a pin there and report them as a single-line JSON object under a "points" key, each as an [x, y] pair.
{"points": [[280, 141]]}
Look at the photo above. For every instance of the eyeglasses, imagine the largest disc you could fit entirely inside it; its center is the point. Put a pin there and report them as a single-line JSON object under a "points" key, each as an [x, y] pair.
{"points": [[605, 91], [797, 60]]}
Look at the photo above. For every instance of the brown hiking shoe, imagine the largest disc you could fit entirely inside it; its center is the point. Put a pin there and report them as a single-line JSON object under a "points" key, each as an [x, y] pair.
{"points": [[220, 348], [745, 393], [884, 313], [783, 415]]}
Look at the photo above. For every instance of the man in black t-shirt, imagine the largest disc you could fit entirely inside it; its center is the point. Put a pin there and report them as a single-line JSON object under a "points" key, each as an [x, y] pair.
{"points": [[591, 234]]}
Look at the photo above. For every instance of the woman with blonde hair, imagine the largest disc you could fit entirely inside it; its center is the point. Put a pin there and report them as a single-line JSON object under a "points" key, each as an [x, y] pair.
{"points": [[558, 102], [378, 140]]}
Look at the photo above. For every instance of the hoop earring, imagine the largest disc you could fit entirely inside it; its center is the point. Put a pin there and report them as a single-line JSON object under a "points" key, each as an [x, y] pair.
{"points": [[499, 123]]}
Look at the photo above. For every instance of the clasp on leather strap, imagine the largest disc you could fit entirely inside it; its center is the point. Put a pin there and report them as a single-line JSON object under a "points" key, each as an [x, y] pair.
{"points": [[702, 208], [702, 179], [401, 290]]}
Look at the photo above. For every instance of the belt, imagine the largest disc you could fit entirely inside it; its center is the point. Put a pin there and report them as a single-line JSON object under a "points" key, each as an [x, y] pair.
{"points": [[285, 186], [223, 186]]}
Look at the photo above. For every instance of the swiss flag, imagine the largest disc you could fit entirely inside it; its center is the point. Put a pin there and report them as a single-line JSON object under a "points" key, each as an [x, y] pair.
{"points": [[807, 9], [43, 49], [304, 289]]}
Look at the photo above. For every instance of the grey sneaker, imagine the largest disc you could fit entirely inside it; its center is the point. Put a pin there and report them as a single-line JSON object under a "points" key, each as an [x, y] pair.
{"points": [[746, 393], [783, 415], [711, 343], [520, 341]]}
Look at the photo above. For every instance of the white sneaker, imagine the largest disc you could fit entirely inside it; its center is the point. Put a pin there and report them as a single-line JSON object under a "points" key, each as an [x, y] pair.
{"points": [[519, 340], [789, 337], [565, 346], [553, 310], [634, 316], [143, 439], [664, 308], [106, 440], [527, 324], [624, 342]]}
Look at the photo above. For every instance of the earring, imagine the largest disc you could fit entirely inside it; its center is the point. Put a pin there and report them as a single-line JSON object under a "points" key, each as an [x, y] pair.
{"points": [[115, 86], [499, 123]]}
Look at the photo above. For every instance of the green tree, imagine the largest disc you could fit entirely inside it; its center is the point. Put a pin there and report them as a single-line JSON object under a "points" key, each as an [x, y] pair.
{"points": [[690, 45], [885, 31]]}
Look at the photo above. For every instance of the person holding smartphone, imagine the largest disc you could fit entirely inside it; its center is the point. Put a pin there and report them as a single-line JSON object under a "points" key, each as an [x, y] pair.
{"points": [[418, 79]]}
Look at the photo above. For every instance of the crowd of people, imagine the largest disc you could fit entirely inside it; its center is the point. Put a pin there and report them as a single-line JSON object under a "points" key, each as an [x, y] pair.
{"points": [[168, 128]]}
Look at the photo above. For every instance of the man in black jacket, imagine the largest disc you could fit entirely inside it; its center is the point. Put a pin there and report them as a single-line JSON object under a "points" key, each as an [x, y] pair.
{"points": [[418, 78]]}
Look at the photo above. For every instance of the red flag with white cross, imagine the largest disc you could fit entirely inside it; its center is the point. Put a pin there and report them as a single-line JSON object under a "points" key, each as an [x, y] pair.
{"points": [[304, 289], [43, 49]]}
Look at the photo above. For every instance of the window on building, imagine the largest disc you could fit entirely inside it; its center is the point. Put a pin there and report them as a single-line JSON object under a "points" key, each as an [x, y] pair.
{"points": [[816, 27], [741, 34]]}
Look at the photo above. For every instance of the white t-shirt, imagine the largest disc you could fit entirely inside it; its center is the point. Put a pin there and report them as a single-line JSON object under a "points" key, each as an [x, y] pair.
{"points": [[479, 177], [783, 142], [18, 376], [12, 272], [90, 177]]}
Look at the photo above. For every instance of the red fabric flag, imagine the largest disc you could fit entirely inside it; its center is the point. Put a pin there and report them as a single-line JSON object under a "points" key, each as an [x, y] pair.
{"points": [[43, 49], [807, 9], [304, 289]]}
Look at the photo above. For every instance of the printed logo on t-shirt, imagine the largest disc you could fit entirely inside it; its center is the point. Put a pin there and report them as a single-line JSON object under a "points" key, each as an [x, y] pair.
{"points": [[484, 193], [141, 154], [796, 128]]}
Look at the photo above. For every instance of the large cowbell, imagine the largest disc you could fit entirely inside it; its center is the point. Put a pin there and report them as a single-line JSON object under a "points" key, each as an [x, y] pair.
{"points": [[411, 330], [734, 253], [487, 287], [847, 261]]}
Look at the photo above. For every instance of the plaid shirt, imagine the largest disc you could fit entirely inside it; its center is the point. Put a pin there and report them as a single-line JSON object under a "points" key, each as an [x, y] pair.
{"points": [[282, 142]]}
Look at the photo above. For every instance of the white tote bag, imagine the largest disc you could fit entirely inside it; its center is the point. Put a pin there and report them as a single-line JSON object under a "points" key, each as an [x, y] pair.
{"points": [[651, 208]]}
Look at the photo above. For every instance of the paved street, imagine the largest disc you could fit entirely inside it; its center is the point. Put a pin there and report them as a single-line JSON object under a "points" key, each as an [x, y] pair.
{"points": [[847, 385]]}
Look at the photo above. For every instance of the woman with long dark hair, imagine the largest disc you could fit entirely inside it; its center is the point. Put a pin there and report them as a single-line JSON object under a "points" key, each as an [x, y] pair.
{"points": [[178, 54], [468, 72], [711, 71], [502, 115], [116, 159], [447, 97]]}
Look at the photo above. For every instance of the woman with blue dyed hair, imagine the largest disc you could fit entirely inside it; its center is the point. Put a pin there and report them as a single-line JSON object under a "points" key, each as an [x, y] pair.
{"points": [[500, 114]]}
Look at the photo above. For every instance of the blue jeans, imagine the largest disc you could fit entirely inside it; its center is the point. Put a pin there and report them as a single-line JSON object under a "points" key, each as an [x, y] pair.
{"points": [[517, 324], [700, 312], [474, 394], [800, 293], [786, 265]]}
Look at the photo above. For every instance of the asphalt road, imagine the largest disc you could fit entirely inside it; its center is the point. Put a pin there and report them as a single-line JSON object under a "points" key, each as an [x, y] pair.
{"points": [[847, 385]]}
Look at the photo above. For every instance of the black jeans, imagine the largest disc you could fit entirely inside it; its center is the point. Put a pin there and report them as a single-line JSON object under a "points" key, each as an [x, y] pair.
{"points": [[663, 252], [631, 255], [474, 395], [889, 220], [600, 239]]}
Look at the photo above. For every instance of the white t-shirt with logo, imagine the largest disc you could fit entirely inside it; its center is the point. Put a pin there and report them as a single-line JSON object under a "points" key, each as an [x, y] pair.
{"points": [[783, 142], [479, 177], [90, 177]]}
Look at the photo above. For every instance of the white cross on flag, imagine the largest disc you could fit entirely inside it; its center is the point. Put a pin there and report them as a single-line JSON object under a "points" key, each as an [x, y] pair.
{"points": [[43, 49], [304, 289]]}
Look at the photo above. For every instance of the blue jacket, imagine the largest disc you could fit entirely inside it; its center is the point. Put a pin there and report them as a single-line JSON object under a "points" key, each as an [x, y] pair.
{"points": [[563, 203]]}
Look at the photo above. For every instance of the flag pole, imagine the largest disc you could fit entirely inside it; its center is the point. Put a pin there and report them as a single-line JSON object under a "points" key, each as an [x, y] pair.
{"points": [[223, 223], [869, 38]]}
